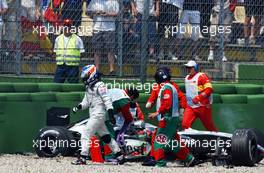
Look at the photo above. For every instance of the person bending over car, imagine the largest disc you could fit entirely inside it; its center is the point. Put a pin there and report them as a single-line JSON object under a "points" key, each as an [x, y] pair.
{"points": [[199, 98], [134, 110], [167, 138], [127, 111], [121, 103], [99, 103]]}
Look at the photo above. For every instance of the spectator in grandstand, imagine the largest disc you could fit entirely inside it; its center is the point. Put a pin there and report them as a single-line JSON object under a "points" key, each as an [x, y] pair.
{"points": [[3, 9], [68, 48], [205, 12], [127, 17], [30, 9], [51, 13], [8, 42], [138, 7], [229, 8], [72, 9], [104, 14], [253, 8], [199, 98], [130, 37], [191, 15], [44, 4], [28, 13], [169, 15]]}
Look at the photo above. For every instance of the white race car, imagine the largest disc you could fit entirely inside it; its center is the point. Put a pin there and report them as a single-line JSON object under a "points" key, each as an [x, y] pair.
{"points": [[245, 147]]}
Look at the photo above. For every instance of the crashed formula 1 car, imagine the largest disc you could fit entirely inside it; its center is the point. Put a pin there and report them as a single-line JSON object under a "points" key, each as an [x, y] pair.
{"points": [[245, 147]]}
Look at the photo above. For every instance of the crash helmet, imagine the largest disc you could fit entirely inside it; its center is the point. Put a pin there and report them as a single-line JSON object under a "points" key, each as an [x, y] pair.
{"points": [[90, 75], [133, 93], [162, 74]]}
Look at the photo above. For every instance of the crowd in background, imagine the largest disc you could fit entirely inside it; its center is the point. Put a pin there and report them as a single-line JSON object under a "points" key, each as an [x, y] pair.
{"points": [[162, 17]]}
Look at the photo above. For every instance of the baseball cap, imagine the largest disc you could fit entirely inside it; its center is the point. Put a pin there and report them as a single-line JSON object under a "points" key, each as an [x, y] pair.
{"points": [[190, 63], [67, 22]]}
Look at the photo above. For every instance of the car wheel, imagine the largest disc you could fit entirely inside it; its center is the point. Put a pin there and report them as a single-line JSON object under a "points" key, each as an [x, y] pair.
{"points": [[54, 141], [260, 141], [244, 148]]}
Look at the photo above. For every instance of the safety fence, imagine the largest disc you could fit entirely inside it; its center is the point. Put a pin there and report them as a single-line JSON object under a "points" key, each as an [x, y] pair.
{"points": [[132, 38]]}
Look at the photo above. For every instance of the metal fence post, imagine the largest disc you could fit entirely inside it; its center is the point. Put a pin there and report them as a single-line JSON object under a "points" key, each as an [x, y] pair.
{"points": [[120, 38], [144, 43], [220, 50], [221, 22], [18, 39]]}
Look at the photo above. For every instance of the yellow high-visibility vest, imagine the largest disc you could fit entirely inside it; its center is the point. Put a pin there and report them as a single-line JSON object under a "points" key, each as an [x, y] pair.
{"points": [[69, 54]]}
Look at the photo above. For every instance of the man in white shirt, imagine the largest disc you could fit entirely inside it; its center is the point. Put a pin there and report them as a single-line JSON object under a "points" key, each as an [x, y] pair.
{"points": [[104, 13], [3, 9], [30, 9], [169, 15], [215, 33], [154, 11]]}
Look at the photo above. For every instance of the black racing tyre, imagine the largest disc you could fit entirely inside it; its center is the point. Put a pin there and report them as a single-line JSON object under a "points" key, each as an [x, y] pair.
{"points": [[53, 141], [244, 148], [260, 141]]}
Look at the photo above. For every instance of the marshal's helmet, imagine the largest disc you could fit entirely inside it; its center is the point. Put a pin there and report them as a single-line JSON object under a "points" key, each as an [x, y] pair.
{"points": [[162, 75], [90, 75]]}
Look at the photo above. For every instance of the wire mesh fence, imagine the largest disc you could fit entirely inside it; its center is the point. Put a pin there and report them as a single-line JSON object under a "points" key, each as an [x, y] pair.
{"points": [[130, 38]]}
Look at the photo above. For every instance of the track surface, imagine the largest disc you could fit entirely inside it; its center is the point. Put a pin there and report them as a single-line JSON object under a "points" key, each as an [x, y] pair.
{"points": [[34, 164]]}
